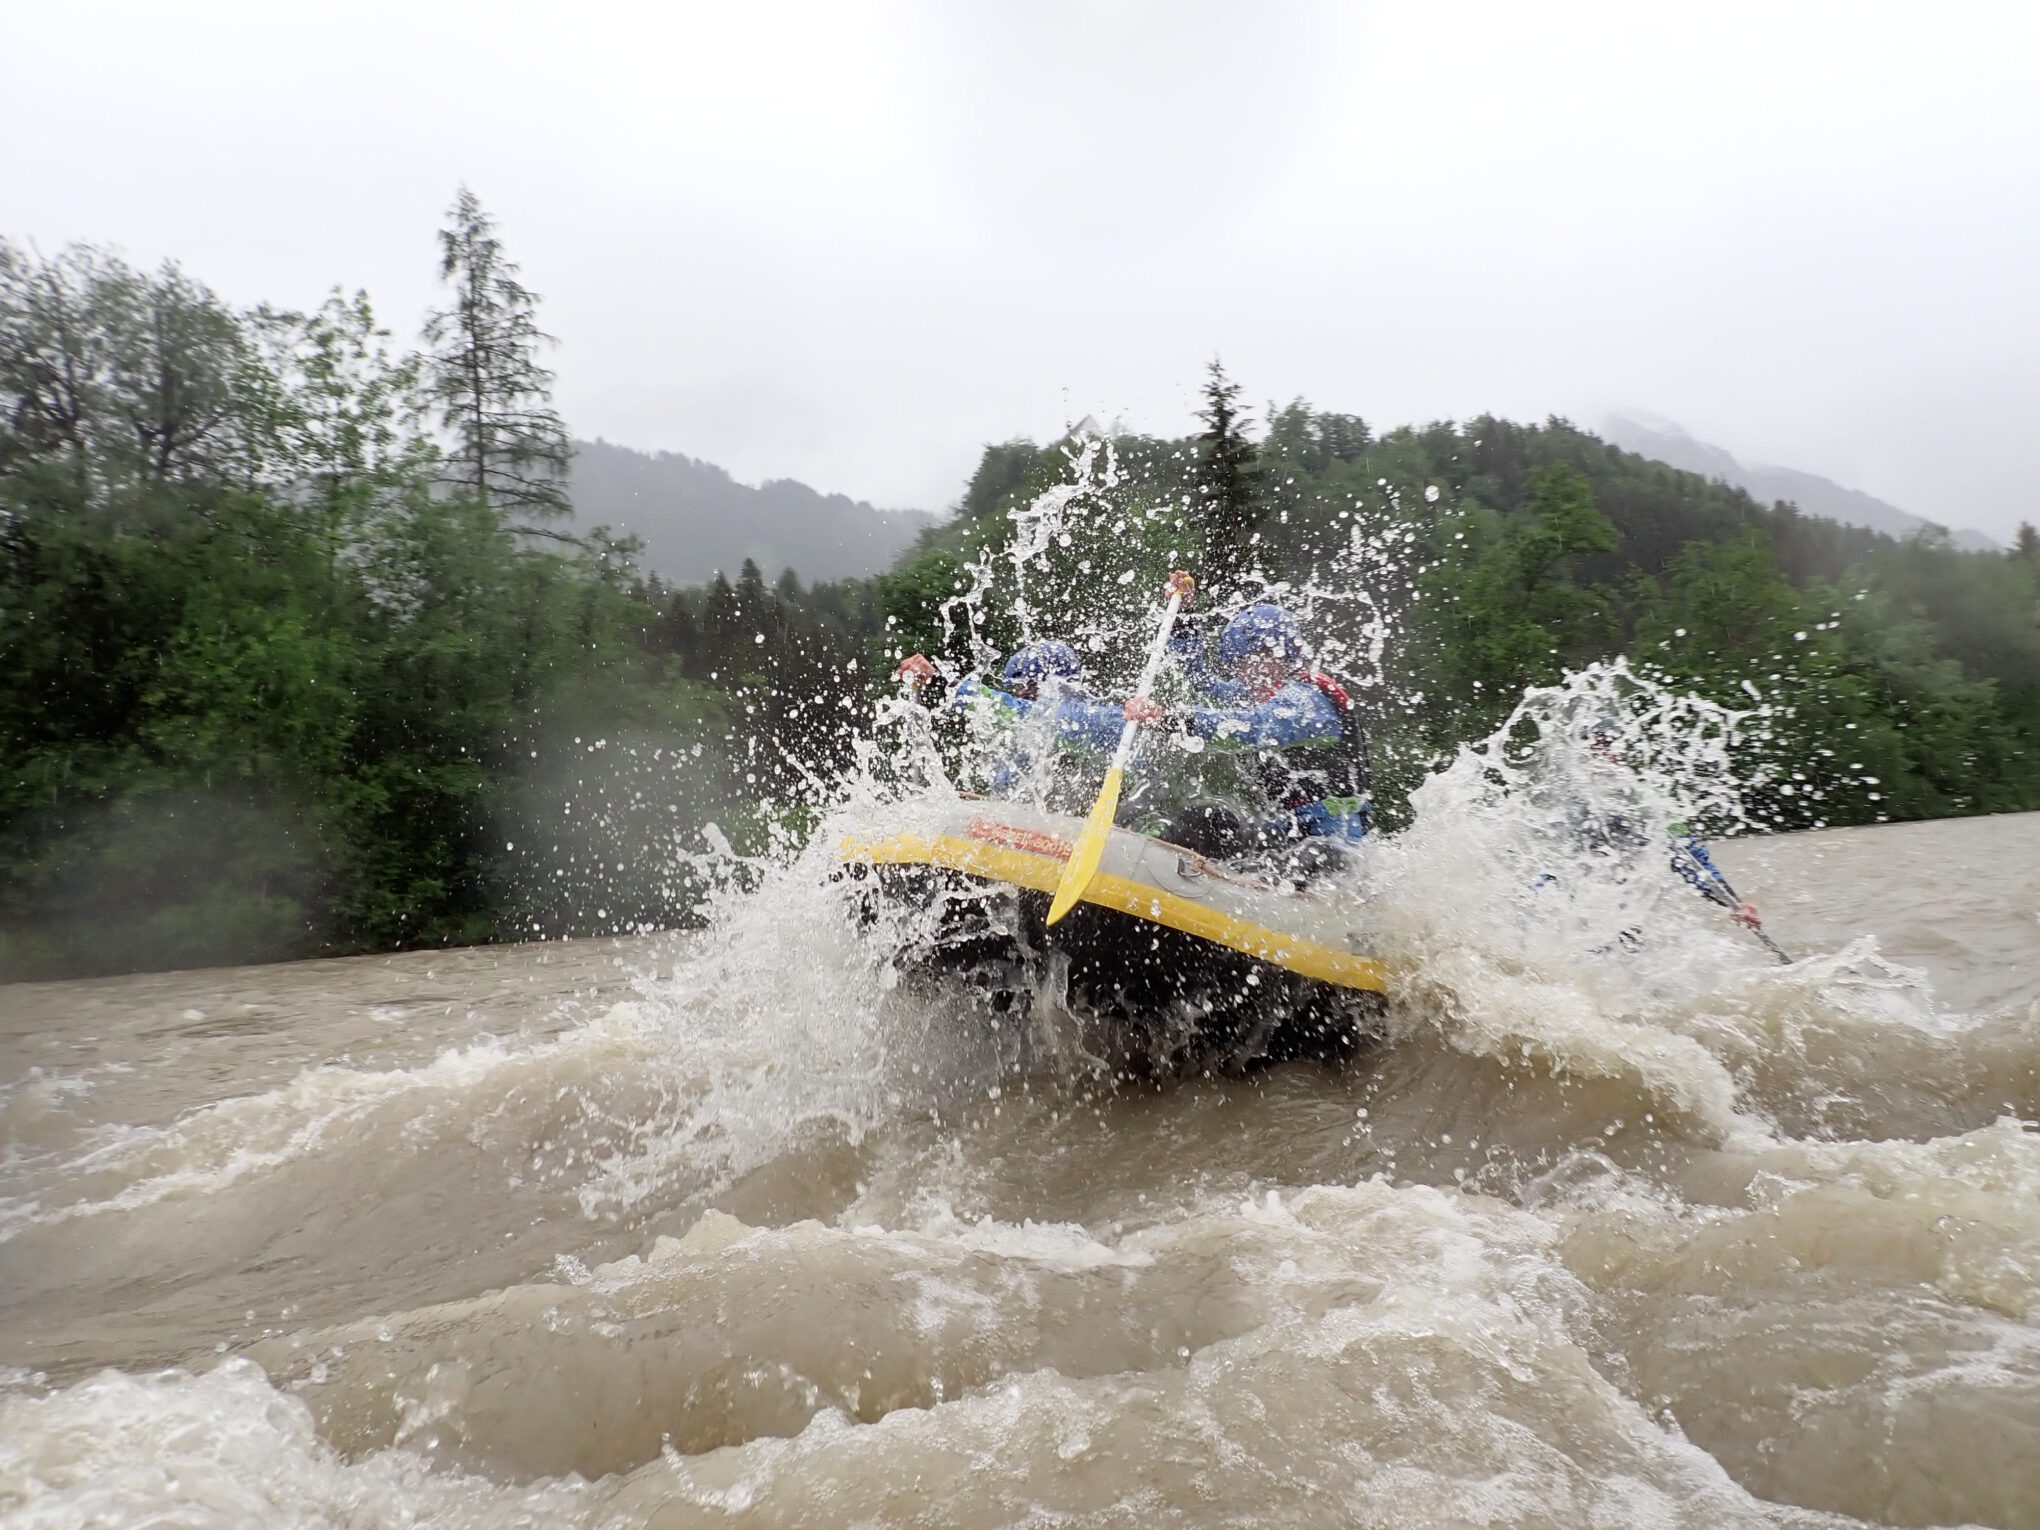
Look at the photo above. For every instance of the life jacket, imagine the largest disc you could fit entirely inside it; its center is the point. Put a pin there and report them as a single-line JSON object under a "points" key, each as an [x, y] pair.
{"points": [[1335, 774]]}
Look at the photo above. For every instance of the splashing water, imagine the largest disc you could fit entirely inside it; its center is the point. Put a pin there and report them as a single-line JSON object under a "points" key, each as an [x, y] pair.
{"points": [[1626, 1224]]}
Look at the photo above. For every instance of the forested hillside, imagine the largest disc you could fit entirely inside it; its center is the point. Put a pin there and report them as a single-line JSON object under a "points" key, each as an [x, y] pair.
{"points": [[307, 654], [1896, 679], [1663, 441], [308, 651]]}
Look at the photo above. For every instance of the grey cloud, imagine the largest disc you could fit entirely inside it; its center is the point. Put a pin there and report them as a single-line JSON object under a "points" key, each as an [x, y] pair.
{"points": [[849, 243]]}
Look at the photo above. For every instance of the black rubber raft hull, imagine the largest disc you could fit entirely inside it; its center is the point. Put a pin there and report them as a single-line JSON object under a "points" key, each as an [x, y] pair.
{"points": [[1185, 958]]}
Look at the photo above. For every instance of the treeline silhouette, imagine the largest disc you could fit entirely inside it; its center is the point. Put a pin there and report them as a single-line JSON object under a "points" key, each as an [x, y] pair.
{"points": [[287, 676], [1881, 679]]}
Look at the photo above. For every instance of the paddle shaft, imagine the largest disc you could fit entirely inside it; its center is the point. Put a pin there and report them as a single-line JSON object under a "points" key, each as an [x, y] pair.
{"points": [[1724, 884], [1089, 849], [1146, 683]]}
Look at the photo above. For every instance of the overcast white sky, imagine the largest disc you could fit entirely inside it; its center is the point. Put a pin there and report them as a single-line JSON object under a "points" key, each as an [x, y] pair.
{"points": [[850, 242]]}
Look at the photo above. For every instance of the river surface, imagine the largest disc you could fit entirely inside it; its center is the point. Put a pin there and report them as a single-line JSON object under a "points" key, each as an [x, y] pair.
{"points": [[731, 1228]]}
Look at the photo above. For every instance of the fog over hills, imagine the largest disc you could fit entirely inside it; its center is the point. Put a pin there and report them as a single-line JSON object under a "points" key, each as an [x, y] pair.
{"points": [[695, 519], [1664, 441]]}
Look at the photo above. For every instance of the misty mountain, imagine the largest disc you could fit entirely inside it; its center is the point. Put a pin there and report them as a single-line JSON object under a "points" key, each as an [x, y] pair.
{"points": [[695, 519], [1663, 441]]}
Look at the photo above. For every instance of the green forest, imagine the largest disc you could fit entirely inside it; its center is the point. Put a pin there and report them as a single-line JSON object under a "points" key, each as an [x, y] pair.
{"points": [[308, 655], [1897, 679]]}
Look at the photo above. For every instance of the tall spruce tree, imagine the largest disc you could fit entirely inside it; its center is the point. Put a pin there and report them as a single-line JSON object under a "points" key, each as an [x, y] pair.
{"points": [[1229, 476], [510, 449]]}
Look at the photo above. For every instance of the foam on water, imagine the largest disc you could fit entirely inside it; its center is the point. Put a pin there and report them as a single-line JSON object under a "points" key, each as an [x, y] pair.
{"points": [[399, 1109], [1001, 1315], [700, 1078], [1005, 1374], [223, 1448]]}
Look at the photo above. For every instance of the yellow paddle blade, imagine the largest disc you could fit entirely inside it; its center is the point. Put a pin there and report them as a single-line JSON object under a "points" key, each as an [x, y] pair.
{"points": [[1090, 847]]}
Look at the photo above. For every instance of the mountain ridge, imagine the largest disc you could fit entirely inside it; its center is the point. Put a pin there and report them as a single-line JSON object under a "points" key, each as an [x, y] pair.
{"points": [[1666, 441], [696, 520]]}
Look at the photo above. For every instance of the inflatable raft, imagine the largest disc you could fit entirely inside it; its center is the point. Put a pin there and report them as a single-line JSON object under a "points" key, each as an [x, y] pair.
{"points": [[1245, 963]]}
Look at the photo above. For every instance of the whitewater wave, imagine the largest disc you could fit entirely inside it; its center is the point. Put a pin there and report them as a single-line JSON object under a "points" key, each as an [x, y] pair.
{"points": [[1626, 1223], [813, 1374]]}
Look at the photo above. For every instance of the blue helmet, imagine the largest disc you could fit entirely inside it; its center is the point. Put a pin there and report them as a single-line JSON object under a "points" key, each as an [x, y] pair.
{"points": [[1039, 661], [1260, 629]]}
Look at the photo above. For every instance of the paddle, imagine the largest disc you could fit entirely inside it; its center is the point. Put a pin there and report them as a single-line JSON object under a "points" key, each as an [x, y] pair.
{"points": [[1716, 889], [1082, 865]]}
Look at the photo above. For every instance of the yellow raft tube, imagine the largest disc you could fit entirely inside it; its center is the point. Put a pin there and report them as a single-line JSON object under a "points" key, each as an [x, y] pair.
{"points": [[1143, 885]]}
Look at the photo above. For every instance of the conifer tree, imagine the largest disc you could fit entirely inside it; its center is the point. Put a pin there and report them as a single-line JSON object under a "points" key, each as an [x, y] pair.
{"points": [[510, 449], [720, 618], [1230, 479]]}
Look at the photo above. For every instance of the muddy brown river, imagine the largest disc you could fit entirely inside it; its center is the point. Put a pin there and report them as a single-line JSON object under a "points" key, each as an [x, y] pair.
{"points": [[734, 1228]]}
